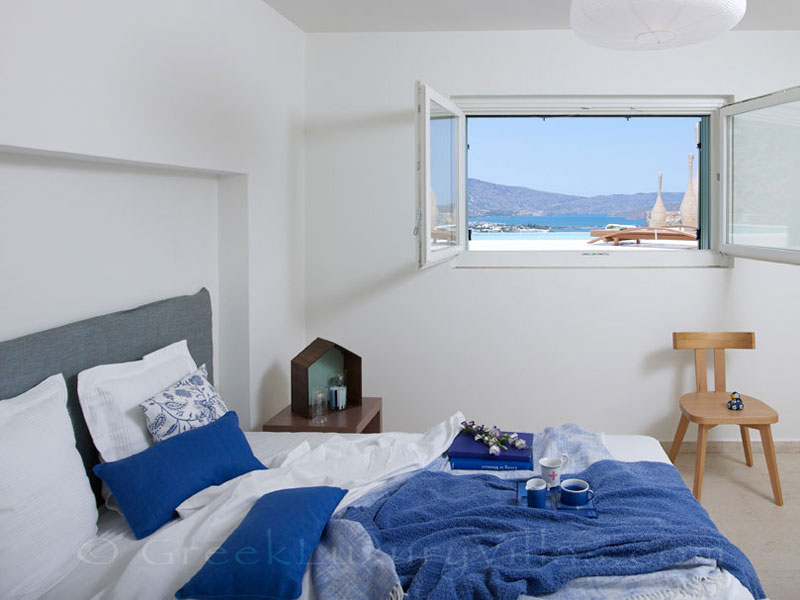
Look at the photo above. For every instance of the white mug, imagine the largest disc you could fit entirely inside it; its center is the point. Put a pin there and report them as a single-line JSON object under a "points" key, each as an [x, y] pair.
{"points": [[551, 469]]}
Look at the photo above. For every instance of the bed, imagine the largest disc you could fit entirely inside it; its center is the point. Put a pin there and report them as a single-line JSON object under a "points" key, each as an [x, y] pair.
{"points": [[116, 565]]}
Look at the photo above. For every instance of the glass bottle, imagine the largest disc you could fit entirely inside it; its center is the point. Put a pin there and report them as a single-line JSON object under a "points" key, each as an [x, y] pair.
{"points": [[319, 407], [337, 393]]}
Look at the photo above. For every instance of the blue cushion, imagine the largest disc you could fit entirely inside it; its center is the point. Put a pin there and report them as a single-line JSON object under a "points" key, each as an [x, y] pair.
{"points": [[266, 556], [150, 485]]}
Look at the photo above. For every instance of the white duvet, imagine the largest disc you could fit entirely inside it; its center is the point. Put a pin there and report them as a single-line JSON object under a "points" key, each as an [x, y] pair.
{"points": [[168, 558], [115, 567]]}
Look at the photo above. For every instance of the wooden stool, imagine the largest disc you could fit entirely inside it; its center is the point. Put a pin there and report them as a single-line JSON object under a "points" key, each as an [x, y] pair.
{"points": [[709, 409]]}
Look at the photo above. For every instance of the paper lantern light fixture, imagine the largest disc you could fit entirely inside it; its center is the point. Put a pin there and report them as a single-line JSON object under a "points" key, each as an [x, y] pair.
{"points": [[653, 24]]}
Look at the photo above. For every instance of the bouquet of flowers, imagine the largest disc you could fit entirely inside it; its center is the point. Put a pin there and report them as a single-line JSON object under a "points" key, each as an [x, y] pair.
{"points": [[494, 438]]}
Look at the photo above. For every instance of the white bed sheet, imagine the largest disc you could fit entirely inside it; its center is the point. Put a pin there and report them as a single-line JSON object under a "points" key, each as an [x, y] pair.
{"points": [[628, 448], [102, 561], [633, 448]]}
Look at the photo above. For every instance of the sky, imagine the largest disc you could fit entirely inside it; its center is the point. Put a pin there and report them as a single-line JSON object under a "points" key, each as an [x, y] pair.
{"points": [[583, 156]]}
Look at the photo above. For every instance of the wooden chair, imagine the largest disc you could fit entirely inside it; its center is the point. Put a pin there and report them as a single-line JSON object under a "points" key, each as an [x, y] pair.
{"points": [[709, 409]]}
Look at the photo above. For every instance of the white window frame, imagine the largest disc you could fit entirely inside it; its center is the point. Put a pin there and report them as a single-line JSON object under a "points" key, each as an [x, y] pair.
{"points": [[602, 105], [725, 114], [429, 256]]}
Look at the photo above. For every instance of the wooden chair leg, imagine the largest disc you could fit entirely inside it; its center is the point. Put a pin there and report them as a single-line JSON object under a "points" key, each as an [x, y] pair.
{"points": [[700, 464], [748, 449], [679, 433], [772, 462]]}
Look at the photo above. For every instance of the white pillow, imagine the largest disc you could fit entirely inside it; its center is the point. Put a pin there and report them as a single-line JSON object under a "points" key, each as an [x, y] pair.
{"points": [[47, 509], [110, 396]]}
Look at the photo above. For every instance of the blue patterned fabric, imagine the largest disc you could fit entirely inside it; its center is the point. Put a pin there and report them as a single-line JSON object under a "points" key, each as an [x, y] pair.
{"points": [[346, 565], [335, 570], [185, 405], [583, 447], [465, 537], [150, 485]]}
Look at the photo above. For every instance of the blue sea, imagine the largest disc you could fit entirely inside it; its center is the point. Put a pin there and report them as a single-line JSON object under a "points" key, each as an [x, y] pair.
{"points": [[581, 224]]}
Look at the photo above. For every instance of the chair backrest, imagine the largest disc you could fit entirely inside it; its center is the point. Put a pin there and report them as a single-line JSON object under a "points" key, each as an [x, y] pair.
{"points": [[700, 341]]}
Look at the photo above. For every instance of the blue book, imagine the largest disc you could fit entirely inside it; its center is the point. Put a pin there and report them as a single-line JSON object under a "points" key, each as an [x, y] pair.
{"points": [[465, 446], [496, 464]]}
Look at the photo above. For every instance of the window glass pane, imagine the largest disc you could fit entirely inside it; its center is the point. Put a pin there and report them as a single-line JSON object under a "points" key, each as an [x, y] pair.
{"points": [[443, 207], [765, 146], [584, 183]]}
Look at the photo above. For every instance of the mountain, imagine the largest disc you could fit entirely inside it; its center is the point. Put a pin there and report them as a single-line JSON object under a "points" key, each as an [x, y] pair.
{"points": [[486, 199]]}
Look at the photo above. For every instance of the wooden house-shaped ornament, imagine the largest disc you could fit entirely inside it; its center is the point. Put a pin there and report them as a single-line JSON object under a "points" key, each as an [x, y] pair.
{"points": [[317, 366]]}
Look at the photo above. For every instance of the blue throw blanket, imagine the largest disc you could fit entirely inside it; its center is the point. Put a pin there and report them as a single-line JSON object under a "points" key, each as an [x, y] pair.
{"points": [[465, 537]]}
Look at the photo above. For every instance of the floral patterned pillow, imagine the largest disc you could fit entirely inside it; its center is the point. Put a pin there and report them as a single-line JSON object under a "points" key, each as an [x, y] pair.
{"points": [[187, 404]]}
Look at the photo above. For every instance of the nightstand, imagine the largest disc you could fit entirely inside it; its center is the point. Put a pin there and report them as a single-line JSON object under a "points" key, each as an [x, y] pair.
{"points": [[365, 418]]}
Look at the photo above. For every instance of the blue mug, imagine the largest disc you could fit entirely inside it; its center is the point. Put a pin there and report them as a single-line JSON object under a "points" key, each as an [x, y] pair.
{"points": [[536, 489], [575, 492]]}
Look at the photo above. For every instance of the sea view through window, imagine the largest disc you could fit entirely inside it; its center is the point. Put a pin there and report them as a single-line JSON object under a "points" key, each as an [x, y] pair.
{"points": [[578, 183]]}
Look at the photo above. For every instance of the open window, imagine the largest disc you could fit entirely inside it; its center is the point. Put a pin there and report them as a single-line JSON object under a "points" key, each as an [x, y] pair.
{"points": [[745, 199], [579, 182], [760, 161], [441, 173]]}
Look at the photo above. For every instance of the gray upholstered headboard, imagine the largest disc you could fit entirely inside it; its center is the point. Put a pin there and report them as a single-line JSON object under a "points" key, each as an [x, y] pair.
{"points": [[118, 337]]}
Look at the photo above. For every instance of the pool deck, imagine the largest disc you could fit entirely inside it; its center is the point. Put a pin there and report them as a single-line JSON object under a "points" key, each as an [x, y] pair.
{"points": [[579, 245]]}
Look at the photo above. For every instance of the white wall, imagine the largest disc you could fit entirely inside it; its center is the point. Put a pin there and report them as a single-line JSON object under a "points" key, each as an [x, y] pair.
{"points": [[76, 235], [520, 348], [207, 84], [223, 86]]}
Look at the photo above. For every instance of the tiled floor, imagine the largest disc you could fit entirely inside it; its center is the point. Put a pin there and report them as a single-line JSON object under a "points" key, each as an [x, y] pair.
{"points": [[739, 500]]}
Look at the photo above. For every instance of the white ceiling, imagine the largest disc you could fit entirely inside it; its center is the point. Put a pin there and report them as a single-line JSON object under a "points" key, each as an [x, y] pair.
{"points": [[478, 15]]}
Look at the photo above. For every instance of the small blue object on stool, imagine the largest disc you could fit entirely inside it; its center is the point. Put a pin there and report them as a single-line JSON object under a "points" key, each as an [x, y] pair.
{"points": [[735, 403]]}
